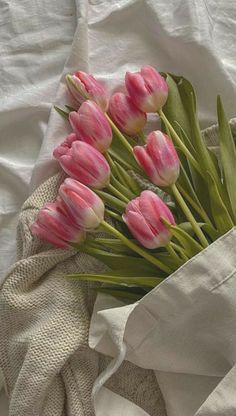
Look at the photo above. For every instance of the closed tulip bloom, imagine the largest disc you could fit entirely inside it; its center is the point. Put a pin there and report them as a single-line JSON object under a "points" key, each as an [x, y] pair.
{"points": [[91, 126], [85, 207], [84, 163], [56, 226], [147, 89], [128, 118], [159, 159], [143, 218], [63, 148], [83, 86]]}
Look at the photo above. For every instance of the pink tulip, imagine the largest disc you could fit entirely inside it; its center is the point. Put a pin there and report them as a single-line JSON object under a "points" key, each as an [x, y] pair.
{"points": [[56, 226], [91, 126], [83, 86], [85, 207], [64, 147], [128, 118], [147, 89], [143, 218], [159, 159], [84, 163]]}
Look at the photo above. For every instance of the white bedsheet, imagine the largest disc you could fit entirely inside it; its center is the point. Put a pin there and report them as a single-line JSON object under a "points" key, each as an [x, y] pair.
{"points": [[40, 41]]}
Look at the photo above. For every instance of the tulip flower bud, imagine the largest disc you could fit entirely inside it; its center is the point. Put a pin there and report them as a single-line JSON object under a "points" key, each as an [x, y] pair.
{"points": [[128, 118], [56, 226], [143, 218], [63, 148], [85, 207], [84, 163], [159, 159], [83, 86], [147, 89], [91, 126]]}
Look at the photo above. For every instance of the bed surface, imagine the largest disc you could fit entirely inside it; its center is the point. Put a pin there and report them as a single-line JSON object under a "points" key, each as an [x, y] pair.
{"points": [[40, 41]]}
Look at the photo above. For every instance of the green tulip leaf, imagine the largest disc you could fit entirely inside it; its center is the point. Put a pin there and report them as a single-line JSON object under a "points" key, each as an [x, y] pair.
{"points": [[112, 202], [220, 213], [128, 179], [118, 151], [121, 188], [62, 112], [70, 108], [228, 155], [123, 279], [115, 260], [180, 110], [211, 231], [191, 246]]}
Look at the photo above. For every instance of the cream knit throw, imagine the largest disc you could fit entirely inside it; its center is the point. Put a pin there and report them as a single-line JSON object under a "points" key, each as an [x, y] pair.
{"points": [[44, 321]]}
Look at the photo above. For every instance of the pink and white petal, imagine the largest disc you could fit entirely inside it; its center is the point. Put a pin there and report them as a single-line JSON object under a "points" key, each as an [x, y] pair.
{"points": [[44, 234], [145, 161], [153, 80], [133, 205], [153, 208], [55, 223], [140, 229], [164, 156], [86, 195], [75, 122]]}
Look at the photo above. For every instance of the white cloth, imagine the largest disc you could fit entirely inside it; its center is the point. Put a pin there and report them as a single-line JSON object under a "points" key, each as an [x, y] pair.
{"points": [[35, 41], [184, 329], [40, 41]]}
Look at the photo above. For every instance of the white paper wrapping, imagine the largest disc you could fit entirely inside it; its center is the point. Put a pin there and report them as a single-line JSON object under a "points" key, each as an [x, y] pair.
{"points": [[184, 329]]}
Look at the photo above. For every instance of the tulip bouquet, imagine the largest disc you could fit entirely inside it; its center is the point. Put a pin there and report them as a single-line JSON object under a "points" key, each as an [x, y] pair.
{"points": [[158, 198]]}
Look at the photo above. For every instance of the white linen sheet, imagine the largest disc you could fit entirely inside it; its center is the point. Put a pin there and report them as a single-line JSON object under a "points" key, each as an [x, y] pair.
{"points": [[40, 41]]}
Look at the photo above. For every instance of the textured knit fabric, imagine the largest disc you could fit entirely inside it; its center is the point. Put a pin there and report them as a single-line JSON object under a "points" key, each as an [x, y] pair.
{"points": [[48, 367]]}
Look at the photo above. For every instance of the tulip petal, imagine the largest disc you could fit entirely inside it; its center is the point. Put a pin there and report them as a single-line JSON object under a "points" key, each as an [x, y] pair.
{"points": [[153, 208], [45, 234], [86, 208], [164, 156], [77, 172], [56, 226], [91, 126], [140, 229], [125, 114], [94, 88], [145, 161], [147, 88]]}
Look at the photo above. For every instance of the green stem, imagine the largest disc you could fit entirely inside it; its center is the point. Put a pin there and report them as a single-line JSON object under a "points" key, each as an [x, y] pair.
{"points": [[180, 250], [125, 190], [117, 193], [114, 215], [110, 161], [119, 134], [189, 216], [173, 254], [136, 248], [179, 142], [197, 208]]}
